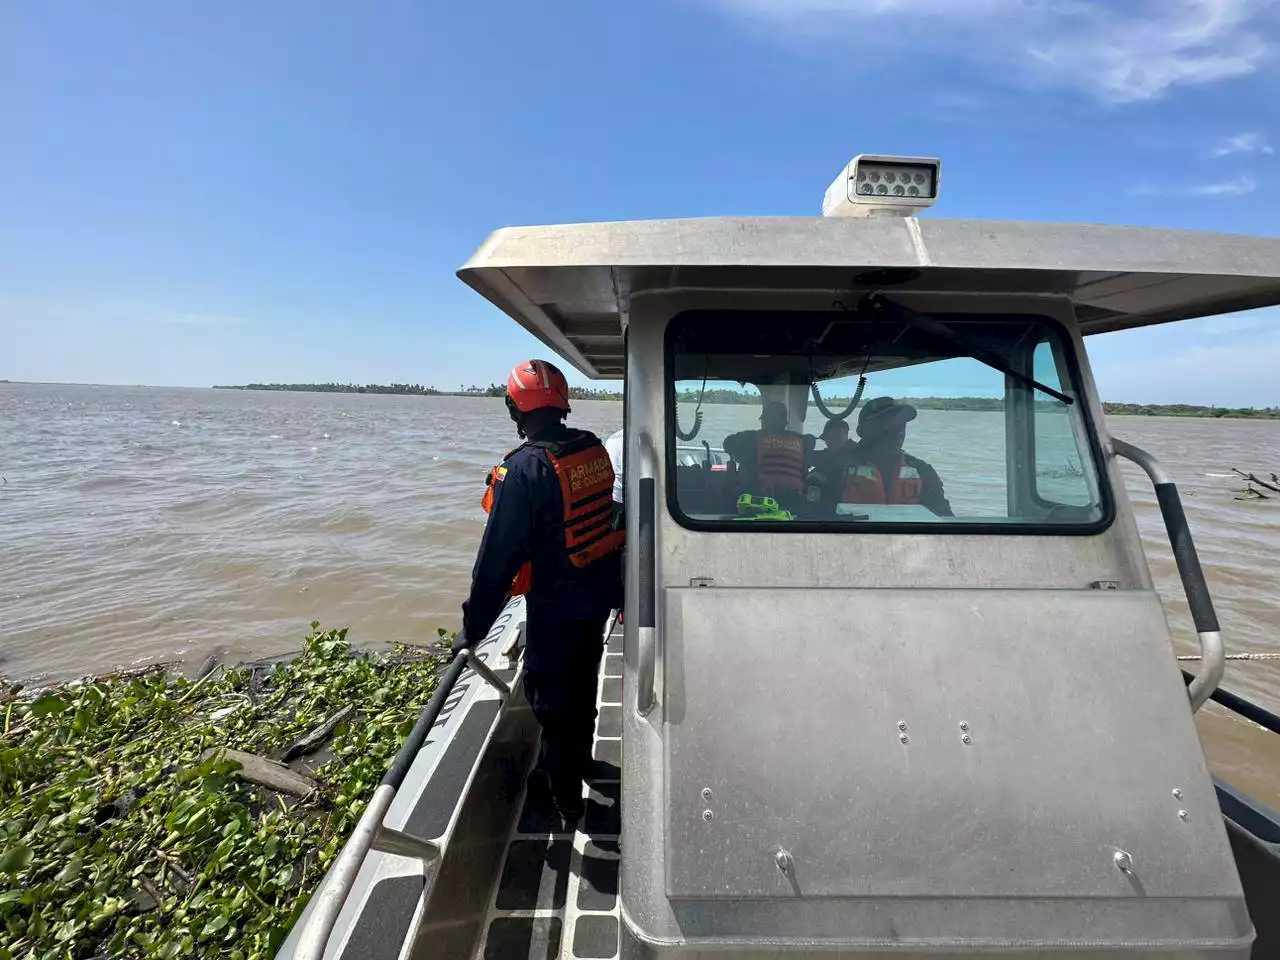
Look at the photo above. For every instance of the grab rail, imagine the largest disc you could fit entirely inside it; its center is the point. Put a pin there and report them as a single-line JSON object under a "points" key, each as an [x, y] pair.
{"points": [[1245, 708], [369, 832], [647, 579], [1213, 663]]}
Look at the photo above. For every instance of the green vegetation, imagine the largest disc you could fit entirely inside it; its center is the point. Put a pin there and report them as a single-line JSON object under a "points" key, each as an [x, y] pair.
{"points": [[414, 389], [997, 403], [839, 403], [1189, 410], [393, 388], [118, 838], [742, 397]]}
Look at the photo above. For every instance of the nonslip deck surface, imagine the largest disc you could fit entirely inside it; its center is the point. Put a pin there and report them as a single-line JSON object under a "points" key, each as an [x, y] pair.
{"points": [[557, 896]]}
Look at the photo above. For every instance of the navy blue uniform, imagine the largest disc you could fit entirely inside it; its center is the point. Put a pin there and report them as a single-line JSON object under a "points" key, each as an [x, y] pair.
{"points": [[566, 608]]}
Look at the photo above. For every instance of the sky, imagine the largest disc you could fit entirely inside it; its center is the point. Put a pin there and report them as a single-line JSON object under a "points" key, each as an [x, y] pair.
{"points": [[199, 193]]}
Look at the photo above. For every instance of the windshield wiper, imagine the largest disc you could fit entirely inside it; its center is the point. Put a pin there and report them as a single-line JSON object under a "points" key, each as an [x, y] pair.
{"points": [[935, 328]]}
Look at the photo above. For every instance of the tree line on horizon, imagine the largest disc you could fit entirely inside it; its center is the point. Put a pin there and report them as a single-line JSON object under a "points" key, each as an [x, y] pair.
{"points": [[726, 396]]}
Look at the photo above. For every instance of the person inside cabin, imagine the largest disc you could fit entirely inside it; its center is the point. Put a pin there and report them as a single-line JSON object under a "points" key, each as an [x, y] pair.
{"points": [[550, 507], [877, 470], [615, 447], [772, 459], [829, 464]]}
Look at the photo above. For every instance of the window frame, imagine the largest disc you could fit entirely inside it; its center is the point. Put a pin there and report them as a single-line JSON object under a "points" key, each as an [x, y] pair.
{"points": [[1020, 529]]}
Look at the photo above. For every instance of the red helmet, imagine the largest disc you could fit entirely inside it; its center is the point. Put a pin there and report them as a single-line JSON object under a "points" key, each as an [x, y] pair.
{"points": [[535, 384]]}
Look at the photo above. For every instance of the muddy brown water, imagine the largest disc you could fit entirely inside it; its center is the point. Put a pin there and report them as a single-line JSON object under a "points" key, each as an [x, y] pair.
{"points": [[144, 524]]}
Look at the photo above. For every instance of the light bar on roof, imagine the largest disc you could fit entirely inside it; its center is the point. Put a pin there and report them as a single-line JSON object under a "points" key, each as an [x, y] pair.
{"points": [[887, 186]]}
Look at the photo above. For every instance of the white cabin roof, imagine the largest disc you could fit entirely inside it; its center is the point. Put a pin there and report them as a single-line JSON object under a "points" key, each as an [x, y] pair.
{"points": [[571, 285]]}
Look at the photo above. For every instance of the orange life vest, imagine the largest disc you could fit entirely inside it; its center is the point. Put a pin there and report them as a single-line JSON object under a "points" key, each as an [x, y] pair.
{"points": [[524, 576], [865, 484], [586, 487], [780, 461]]}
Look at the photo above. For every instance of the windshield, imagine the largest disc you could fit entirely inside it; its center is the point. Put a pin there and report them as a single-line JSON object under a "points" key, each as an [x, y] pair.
{"points": [[842, 421]]}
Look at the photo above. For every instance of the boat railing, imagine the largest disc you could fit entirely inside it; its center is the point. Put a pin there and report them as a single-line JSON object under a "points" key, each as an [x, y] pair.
{"points": [[370, 833], [1245, 708], [647, 585], [1212, 652]]}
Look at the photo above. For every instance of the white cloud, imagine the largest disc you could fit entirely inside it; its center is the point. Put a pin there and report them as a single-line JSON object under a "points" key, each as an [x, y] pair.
{"points": [[1144, 366], [1236, 187], [199, 319], [1237, 322], [1119, 50], [1242, 143]]}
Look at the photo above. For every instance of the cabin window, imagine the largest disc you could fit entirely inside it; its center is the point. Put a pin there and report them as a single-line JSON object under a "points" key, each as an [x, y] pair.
{"points": [[1062, 477], [764, 431]]}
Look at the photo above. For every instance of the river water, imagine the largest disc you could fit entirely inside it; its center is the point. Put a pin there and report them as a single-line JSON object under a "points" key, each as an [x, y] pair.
{"points": [[144, 524]]}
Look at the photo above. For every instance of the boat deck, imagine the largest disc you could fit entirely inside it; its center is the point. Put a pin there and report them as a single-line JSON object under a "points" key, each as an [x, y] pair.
{"points": [[557, 896]]}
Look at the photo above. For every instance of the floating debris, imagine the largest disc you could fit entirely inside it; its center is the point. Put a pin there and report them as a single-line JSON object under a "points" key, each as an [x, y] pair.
{"points": [[1249, 492], [132, 823]]}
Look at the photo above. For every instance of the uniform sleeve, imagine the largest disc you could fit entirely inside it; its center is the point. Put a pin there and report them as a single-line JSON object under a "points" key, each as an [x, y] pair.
{"points": [[931, 492], [504, 548]]}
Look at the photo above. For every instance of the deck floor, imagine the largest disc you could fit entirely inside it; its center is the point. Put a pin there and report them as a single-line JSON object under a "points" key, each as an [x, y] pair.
{"points": [[557, 896]]}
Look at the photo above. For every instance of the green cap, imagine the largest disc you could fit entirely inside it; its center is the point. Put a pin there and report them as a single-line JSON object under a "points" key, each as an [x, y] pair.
{"points": [[884, 413]]}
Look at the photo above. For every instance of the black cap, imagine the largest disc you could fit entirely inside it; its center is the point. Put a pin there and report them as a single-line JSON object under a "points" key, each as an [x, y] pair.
{"points": [[884, 413], [776, 410], [834, 424]]}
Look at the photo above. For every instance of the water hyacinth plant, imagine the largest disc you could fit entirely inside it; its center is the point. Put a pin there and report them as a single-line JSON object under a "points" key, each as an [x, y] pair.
{"points": [[124, 832]]}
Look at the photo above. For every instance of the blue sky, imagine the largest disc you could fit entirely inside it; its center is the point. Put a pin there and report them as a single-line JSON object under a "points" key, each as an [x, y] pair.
{"points": [[198, 193]]}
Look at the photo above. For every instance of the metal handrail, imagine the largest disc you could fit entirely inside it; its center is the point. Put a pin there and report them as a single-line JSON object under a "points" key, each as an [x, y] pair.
{"points": [[647, 577], [369, 832], [1245, 708], [1213, 654]]}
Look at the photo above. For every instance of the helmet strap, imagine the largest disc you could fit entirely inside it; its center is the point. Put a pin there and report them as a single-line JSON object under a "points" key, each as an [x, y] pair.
{"points": [[516, 416]]}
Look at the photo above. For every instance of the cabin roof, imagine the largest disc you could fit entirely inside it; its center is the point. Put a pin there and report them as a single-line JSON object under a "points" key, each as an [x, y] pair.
{"points": [[571, 285]]}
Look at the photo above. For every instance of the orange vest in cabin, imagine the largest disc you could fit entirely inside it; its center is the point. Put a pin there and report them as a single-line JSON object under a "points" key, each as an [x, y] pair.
{"points": [[780, 461], [865, 484]]}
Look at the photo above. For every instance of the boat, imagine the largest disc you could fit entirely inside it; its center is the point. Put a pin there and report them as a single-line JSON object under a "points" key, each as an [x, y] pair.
{"points": [[872, 730]]}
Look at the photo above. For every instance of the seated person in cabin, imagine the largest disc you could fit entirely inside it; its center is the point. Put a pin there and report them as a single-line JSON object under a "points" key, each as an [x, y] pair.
{"points": [[875, 469], [773, 458], [824, 481]]}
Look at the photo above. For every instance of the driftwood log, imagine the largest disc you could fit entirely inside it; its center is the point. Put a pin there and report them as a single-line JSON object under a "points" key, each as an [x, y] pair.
{"points": [[1262, 483], [266, 773], [314, 739]]}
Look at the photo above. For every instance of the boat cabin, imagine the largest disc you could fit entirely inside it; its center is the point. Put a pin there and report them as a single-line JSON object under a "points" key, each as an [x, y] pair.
{"points": [[892, 678]]}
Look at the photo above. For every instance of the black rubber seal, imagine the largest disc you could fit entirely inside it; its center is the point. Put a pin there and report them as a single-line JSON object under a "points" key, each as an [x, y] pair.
{"points": [[1184, 554], [646, 555]]}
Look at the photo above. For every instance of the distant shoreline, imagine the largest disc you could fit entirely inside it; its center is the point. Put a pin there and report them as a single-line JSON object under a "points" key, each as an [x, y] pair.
{"points": [[732, 397]]}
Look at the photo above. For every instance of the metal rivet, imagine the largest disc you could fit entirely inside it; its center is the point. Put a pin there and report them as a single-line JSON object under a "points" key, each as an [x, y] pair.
{"points": [[1184, 816], [902, 724], [1177, 793], [706, 793], [966, 739], [904, 738], [782, 860], [964, 725], [1123, 862], [708, 816]]}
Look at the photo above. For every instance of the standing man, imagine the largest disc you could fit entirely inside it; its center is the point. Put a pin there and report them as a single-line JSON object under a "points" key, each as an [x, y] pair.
{"points": [[773, 458], [615, 445], [552, 508]]}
